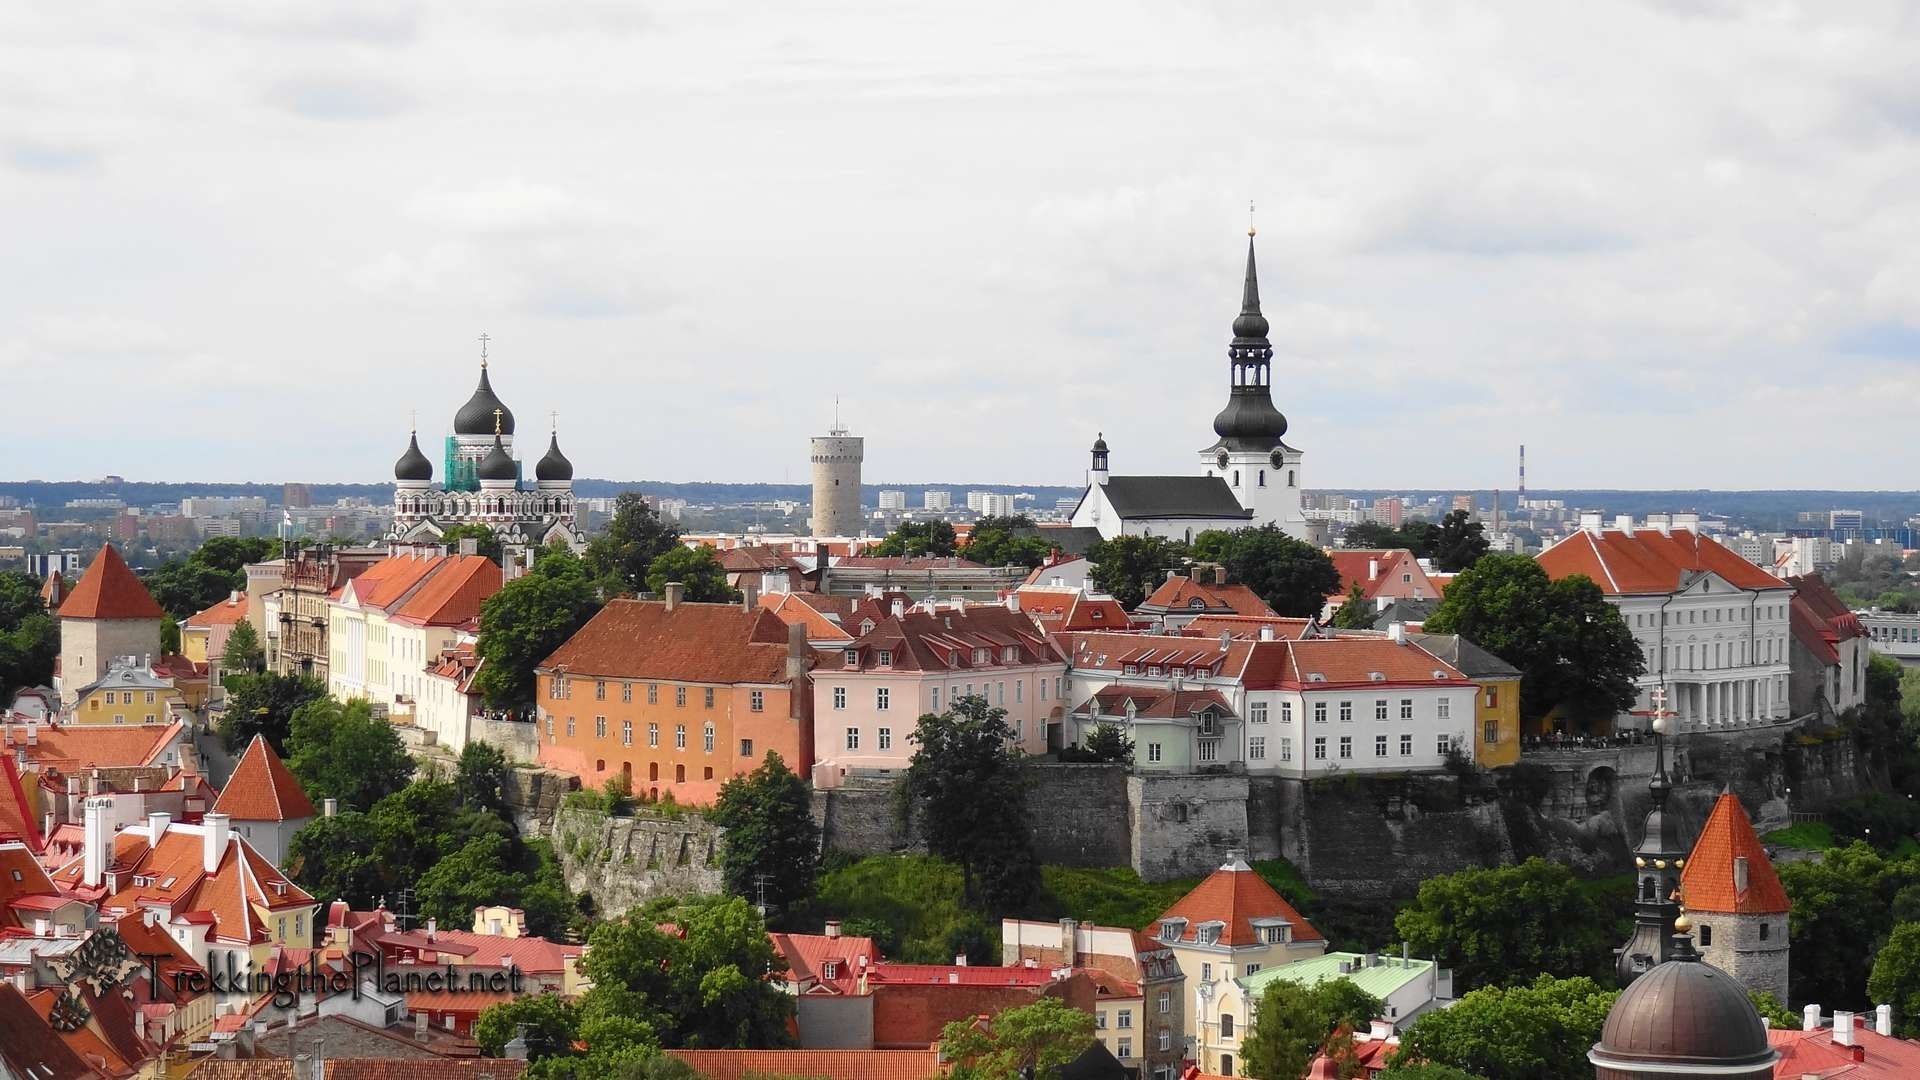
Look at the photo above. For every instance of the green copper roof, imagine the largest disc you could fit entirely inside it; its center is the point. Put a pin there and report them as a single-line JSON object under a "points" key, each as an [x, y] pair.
{"points": [[1381, 981]]}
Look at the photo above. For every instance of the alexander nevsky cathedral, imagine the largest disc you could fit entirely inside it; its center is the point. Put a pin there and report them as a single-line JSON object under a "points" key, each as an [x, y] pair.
{"points": [[483, 484]]}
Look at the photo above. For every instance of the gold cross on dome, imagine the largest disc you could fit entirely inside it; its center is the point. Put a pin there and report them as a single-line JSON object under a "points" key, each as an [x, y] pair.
{"points": [[496, 421]]}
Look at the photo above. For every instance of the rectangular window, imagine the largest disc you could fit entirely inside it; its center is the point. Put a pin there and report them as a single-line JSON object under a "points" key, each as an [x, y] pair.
{"points": [[1445, 709], [1380, 708], [1493, 697], [886, 738], [757, 701], [653, 735], [1257, 712], [883, 657], [680, 696], [1210, 750], [569, 727], [1346, 712], [1126, 1048], [1406, 708], [626, 733], [1491, 732], [853, 738], [1000, 689], [1165, 1004], [708, 736], [1166, 1043], [1099, 1020], [626, 691], [599, 727], [1125, 1017], [1286, 749], [1319, 712], [1016, 692], [1286, 712], [1406, 746], [1319, 748], [1379, 746], [600, 690], [1346, 746], [1257, 748], [653, 693], [679, 736], [936, 698], [1153, 751], [149, 697], [839, 697], [746, 748], [709, 697], [1442, 744], [881, 698]]}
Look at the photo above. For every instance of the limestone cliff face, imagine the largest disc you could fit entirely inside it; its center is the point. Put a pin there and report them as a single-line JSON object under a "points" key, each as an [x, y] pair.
{"points": [[624, 861]]}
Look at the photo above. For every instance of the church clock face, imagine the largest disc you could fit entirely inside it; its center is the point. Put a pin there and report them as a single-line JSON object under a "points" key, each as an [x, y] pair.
{"points": [[1279, 459], [1222, 459]]}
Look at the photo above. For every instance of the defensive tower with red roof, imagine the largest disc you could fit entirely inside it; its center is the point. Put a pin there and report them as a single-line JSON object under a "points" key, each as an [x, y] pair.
{"points": [[108, 614], [1735, 900]]}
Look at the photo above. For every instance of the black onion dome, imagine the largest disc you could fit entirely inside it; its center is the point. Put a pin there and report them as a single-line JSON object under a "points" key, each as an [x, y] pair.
{"points": [[497, 465], [1100, 443], [476, 417], [413, 465], [1684, 1012], [555, 465]]}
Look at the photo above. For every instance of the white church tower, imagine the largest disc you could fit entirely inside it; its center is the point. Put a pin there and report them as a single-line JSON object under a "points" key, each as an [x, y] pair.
{"points": [[1263, 472]]}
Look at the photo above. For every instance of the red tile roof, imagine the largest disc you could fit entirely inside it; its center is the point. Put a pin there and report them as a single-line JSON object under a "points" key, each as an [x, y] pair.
{"points": [[451, 593], [1056, 609], [824, 1064], [1708, 882], [225, 611], [457, 1001], [1814, 1053], [1156, 701], [17, 817], [262, 788], [1045, 570], [959, 975], [388, 581], [1246, 626], [1820, 620], [1649, 562], [1372, 568], [813, 610], [1179, 593], [906, 562], [946, 640], [18, 859], [1233, 895], [752, 557], [174, 872], [362, 1068], [77, 747], [911, 1014], [1345, 661], [698, 643], [32, 1048], [807, 957], [109, 590]]}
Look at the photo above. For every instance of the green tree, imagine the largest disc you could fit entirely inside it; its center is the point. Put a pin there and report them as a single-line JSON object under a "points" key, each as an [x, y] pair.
{"points": [[169, 635], [1129, 568], [1108, 742], [1507, 924], [479, 873], [1571, 646], [1372, 535], [1460, 543], [966, 780], [486, 542], [1537, 1032], [481, 777], [185, 587], [1425, 1070], [243, 655], [708, 988], [334, 858], [264, 704], [29, 638], [1773, 1010], [634, 537], [1292, 576], [548, 1021], [1019, 1043], [770, 834], [915, 538], [523, 623], [1006, 541], [1293, 1021], [232, 554], [1838, 920], [1354, 613], [340, 751], [1896, 979], [698, 569]]}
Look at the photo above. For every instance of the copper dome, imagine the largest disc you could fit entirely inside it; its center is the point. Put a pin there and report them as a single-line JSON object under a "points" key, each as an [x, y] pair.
{"points": [[1683, 1013]]}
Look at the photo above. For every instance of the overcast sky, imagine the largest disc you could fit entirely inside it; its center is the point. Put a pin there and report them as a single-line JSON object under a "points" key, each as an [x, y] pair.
{"points": [[1663, 244]]}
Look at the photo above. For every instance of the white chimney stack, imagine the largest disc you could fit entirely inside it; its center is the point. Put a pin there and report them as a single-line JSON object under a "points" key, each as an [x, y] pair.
{"points": [[1266, 632], [157, 822], [1883, 1020], [329, 807], [833, 928], [674, 592], [213, 847], [1810, 1018], [1624, 523], [899, 608], [1373, 569], [1843, 1028], [1397, 633], [97, 835]]}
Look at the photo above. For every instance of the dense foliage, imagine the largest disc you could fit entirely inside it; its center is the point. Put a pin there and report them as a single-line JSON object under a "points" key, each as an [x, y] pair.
{"points": [[1293, 1021], [1895, 978], [529, 617], [698, 571], [1292, 576], [1006, 541], [29, 637], [486, 542], [968, 788], [635, 536], [1541, 1031], [1507, 924], [185, 587], [1129, 568], [263, 704], [772, 845], [340, 751], [1571, 646], [1841, 903], [244, 655], [1018, 1044], [915, 538]]}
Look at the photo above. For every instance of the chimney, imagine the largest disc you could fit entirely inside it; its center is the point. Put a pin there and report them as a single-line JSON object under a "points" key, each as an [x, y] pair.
{"points": [[1739, 874], [833, 928], [433, 927], [98, 835], [1883, 1020], [1219, 575], [1069, 941], [797, 651], [1810, 1018], [1226, 639], [954, 976], [157, 822], [233, 596], [1373, 569], [1624, 523], [420, 1026], [959, 960], [1380, 1030], [1397, 633], [1843, 1028], [329, 807], [675, 591], [749, 596], [1266, 632], [213, 846], [899, 607], [1590, 521]]}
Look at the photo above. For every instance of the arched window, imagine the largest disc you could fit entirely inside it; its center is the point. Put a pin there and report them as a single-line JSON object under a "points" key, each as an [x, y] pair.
{"points": [[1236, 478], [1289, 477], [1263, 478]]}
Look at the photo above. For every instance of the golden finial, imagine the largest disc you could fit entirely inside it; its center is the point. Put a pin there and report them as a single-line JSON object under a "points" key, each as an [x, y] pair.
{"points": [[1249, 217], [496, 423], [1682, 924], [554, 419]]}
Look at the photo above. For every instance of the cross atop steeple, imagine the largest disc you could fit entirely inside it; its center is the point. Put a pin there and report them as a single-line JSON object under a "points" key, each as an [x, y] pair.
{"points": [[497, 414], [1249, 217], [413, 421], [554, 419], [483, 349]]}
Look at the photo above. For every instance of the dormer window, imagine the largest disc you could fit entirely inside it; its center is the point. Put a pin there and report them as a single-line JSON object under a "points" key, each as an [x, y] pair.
{"points": [[1197, 604], [830, 970], [884, 657], [1375, 676], [1209, 723], [866, 627], [1098, 614], [1132, 669], [980, 656], [1178, 672], [1011, 655], [853, 658], [1171, 929], [1153, 669]]}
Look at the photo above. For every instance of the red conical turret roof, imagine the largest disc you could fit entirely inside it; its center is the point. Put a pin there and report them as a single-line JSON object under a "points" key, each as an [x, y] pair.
{"points": [[1710, 882], [109, 591], [262, 788]]}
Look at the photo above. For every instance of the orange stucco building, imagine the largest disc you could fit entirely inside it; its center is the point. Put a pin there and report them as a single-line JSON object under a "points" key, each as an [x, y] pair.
{"points": [[678, 696]]}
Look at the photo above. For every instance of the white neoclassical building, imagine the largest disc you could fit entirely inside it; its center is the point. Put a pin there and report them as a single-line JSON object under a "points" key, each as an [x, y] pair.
{"points": [[1713, 627]]}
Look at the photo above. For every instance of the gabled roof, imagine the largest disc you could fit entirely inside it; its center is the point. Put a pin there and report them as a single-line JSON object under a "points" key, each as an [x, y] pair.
{"points": [[17, 817], [76, 747], [262, 788], [1057, 608], [1327, 663], [451, 593], [1709, 882], [751, 557], [226, 611], [1370, 569], [1235, 896], [1247, 626], [32, 1048], [1180, 593], [698, 643], [1045, 570], [826, 617], [1146, 497], [945, 639], [1820, 620], [1469, 659], [1647, 561], [1155, 702], [807, 957], [388, 581], [20, 877], [174, 873], [1814, 1053], [109, 590]]}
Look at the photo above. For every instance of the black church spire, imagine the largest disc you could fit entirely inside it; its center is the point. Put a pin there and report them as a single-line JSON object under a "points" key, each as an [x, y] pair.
{"points": [[1250, 422]]}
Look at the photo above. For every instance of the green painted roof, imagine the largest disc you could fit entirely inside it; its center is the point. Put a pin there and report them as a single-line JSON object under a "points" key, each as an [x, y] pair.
{"points": [[1379, 982]]}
